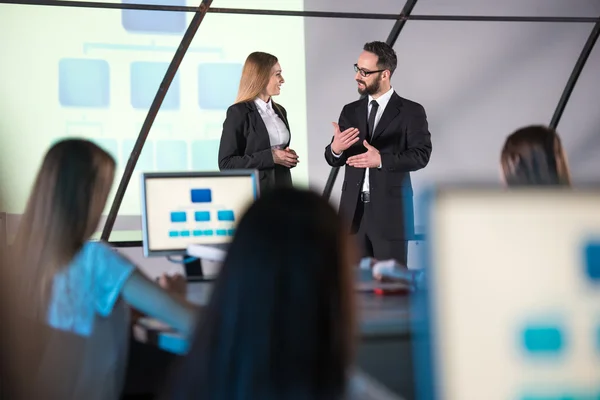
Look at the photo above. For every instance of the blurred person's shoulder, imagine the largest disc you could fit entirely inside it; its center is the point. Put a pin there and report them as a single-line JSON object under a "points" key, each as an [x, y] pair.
{"points": [[97, 254]]}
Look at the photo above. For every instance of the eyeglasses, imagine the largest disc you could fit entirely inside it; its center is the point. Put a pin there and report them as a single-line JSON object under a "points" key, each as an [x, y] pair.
{"points": [[365, 73]]}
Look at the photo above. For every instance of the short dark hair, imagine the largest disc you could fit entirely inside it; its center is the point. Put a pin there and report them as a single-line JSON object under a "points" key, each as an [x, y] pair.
{"points": [[386, 56]]}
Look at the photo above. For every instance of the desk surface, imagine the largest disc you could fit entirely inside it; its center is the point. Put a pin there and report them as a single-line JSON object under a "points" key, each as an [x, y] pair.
{"points": [[384, 326], [379, 317], [383, 315]]}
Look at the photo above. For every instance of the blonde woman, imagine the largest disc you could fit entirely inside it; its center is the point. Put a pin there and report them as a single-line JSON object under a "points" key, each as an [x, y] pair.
{"points": [[256, 132], [534, 155], [76, 290]]}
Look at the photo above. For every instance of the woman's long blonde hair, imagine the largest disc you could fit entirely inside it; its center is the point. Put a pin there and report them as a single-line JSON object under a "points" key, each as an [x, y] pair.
{"points": [[255, 75], [63, 211]]}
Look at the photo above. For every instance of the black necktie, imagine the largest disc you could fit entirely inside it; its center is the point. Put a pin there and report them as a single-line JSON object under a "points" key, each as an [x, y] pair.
{"points": [[372, 114]]}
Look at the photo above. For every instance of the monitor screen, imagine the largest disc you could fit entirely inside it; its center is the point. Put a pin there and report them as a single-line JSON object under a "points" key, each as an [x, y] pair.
{"points": [[515, 293], [180, 209]]}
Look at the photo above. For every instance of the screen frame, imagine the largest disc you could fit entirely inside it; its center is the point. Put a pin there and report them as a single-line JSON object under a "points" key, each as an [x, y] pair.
{"points": [[252, 173], [426, 328]]}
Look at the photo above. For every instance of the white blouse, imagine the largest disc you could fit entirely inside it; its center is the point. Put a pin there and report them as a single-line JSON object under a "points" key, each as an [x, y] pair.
{"points": [[279, 135]]}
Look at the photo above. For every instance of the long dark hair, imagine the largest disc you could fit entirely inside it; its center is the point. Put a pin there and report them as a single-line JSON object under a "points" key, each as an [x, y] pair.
{"points": [[534, 156], [63, 211], [280, 322]]}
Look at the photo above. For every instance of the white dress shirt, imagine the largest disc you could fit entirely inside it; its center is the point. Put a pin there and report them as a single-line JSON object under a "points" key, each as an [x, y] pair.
{"points": [[279, 135], [383, 101]]}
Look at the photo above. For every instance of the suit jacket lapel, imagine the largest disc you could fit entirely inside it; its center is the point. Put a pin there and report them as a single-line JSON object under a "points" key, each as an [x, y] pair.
{"points": [[283, 118], [278, 112], [258, 123], [361, 111], [391, 111]]}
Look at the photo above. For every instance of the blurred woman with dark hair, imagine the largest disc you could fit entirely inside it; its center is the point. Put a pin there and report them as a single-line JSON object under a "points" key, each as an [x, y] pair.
{"points": [[534, 156], [73, 285], [280, 323]]}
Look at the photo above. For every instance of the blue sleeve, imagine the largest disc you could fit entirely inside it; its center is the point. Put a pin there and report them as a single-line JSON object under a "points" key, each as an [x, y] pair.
{"points": [[110, 271]]}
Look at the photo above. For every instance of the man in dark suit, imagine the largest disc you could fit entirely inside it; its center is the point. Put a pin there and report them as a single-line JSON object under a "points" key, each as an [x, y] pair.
{"points": [[380, 138]]}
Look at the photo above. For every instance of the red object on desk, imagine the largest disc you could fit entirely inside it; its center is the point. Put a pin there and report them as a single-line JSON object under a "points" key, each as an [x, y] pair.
{"points": [[398, 291]]}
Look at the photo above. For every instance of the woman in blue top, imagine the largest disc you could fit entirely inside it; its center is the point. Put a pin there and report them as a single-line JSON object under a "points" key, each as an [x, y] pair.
{"points": [[75, 285]]}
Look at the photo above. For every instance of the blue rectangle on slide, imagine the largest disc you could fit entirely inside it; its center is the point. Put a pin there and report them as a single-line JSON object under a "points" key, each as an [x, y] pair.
{"points": [[218, 85], [592, 261], [231, 232], [208, 232], [145, 162], [201, 196], [197, 233], [221, 232], [171, 155], [205, 155], [173, 234], [225, 215], [178, 216], [146, 77], [202, 216], [83, 83], [166, 22], [185, 233], [543, 339]]}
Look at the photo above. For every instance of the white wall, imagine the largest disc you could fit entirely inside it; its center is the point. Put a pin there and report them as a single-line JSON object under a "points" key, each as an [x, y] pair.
{"points": [[478, 81]]}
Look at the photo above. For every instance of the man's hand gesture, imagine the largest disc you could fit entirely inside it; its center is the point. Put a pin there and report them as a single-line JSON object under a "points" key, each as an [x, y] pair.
{"points": [[370, 159], [343, 140]]}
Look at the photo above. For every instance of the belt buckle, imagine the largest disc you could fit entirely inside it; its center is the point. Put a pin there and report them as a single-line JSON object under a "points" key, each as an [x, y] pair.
{"points": [[365, 197]]}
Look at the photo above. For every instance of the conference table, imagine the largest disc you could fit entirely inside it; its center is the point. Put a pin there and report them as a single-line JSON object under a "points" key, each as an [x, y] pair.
{"points": [[384, 349]]}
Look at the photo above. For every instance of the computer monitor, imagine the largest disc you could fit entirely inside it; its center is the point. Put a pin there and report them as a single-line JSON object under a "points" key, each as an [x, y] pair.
{"points": [[514, 294], [184, 208]]}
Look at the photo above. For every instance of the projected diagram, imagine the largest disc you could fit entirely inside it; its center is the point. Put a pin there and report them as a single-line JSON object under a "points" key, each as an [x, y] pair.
{"points": [[202, 217], [90, 84]]}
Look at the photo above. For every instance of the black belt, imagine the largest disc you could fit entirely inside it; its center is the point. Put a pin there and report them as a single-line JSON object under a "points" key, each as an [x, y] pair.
{"points": [[365, 197]]}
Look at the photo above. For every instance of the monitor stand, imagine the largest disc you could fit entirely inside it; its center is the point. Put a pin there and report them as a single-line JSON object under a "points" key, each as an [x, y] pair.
{"points": [[213, 252], [193, 270]]}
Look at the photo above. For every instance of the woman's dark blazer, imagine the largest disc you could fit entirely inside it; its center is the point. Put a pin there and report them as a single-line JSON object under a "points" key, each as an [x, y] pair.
{"points": [[245, 144]]}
